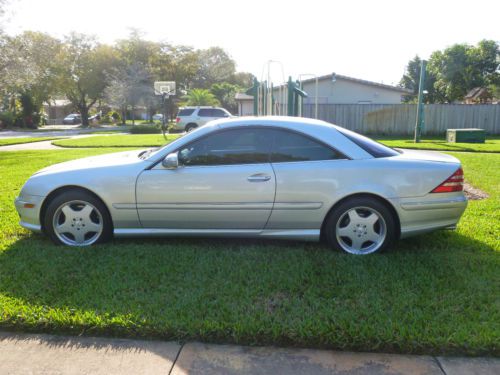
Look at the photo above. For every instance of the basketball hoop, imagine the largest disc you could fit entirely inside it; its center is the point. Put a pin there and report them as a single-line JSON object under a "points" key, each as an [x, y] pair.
{"points": [[164, 88]]}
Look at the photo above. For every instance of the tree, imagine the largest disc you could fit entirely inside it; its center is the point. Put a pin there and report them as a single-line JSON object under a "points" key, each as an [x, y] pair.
{"points": [[225, 93], [28, 69], [462, 67], [84, 68], [411, 81], [128, 86], [243, 80], [201, 97], [215, 66]]}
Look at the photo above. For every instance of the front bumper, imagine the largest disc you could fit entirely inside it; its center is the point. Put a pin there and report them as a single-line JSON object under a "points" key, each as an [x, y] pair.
{"points": [[434, 211], [28, 207]]}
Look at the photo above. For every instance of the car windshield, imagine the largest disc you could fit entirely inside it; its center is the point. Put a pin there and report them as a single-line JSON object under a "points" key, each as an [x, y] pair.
{"points": [[145, 154]]}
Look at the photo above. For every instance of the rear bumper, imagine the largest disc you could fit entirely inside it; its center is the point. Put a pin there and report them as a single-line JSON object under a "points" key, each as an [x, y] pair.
{"points": [[434, 211], [28, 208]]}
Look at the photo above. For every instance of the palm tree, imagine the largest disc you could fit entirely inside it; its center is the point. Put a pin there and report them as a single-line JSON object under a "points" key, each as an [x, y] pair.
{"points": [[201, 97]]}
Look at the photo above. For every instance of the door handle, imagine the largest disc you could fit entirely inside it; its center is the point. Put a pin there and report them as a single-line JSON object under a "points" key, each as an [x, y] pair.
{"points": [[259, 177]]}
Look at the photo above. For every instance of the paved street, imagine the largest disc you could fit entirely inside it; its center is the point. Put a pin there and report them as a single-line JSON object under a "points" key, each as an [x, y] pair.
{"points": [[49, 354]]}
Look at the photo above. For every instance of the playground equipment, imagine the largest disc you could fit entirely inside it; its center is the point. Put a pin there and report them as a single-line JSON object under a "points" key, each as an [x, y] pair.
{"points": [[284, 99]]}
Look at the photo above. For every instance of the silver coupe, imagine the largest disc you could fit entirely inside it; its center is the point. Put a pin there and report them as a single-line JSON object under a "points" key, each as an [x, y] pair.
{"points": [[273, 177]]}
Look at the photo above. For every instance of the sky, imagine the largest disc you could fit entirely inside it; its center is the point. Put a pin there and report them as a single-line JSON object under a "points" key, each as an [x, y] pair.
{"points": [[372, 40]]}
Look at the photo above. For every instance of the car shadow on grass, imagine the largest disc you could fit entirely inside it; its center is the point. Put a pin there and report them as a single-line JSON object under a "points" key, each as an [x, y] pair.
{"points": [[252, 291]]}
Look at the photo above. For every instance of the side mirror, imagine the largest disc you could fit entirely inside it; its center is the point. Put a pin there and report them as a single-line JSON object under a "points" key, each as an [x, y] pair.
{"points": [[171, 161]]}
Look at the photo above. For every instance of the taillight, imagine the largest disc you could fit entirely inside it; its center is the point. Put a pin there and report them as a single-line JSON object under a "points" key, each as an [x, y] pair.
{"points": [[177, 119], [454, 183]]}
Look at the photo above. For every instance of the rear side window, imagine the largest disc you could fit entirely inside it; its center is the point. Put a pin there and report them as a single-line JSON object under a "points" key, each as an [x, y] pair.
{"points": [[290, 147], [375, 149], [186, 112], [218, 113], [205, 112]]}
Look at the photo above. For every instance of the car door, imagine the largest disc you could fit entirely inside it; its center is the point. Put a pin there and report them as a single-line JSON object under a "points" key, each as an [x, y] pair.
{"points": [[224, 181], [307, 174], [205, 115]]}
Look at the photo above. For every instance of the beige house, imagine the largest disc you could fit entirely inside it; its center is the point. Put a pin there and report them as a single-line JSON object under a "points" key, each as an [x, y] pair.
{"points": [[57, 109], [336, 89]]}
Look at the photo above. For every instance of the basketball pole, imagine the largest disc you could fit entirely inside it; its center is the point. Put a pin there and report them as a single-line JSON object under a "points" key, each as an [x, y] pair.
{"points": [[164, 112]]}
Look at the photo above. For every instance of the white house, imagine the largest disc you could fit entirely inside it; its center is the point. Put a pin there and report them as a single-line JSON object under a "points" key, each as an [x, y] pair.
{"points": [[337, 89]]}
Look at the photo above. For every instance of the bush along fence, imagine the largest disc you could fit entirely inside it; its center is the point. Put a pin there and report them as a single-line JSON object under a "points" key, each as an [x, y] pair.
{"points": [[399, 119]]}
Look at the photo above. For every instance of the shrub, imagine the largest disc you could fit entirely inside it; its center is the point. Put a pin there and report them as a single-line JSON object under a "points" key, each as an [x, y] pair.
{"points": [[111, 117], [7, 119], [146, 129]]}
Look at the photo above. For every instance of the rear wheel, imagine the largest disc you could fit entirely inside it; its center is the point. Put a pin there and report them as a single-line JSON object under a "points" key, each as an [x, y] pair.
{"points": [[77, 218], [360, 226], [190, 127]]}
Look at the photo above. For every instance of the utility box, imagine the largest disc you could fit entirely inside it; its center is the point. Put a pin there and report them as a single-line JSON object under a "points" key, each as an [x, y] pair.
{"points": [[465, 135]]}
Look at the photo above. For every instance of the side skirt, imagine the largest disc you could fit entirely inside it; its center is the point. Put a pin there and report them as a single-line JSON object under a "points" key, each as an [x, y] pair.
{"points": [[288, 234]]}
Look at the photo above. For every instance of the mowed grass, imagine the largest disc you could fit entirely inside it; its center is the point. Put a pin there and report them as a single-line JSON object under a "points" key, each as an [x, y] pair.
{"points": [[436, 293], [17, 141], [492, 144], [135, 140]]}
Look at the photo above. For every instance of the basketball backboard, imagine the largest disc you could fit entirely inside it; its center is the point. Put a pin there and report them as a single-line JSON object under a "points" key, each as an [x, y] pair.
{"points": [[164, 88]]}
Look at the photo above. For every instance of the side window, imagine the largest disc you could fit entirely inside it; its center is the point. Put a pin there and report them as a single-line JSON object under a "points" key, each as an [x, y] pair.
{"points": [[186, 112], [290, 146], [238, 146], [218, 113], [205, 112]]}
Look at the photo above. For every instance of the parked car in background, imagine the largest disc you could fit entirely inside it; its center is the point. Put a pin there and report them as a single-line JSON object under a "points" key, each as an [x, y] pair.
{"points": [[190, 118], [267, 177], [72, 119], [157, 117]]}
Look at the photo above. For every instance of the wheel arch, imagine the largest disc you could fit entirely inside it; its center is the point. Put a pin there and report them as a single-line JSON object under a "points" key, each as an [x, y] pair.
{"points": [[379, 198], [62, 189], [191, 124]]}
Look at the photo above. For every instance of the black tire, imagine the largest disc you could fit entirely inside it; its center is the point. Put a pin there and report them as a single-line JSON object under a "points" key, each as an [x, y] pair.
{"points": [[76, 200], [190, 127], [360, 230]]}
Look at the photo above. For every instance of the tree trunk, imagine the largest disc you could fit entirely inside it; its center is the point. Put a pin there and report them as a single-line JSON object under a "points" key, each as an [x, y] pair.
{"points": [[84, 112]]}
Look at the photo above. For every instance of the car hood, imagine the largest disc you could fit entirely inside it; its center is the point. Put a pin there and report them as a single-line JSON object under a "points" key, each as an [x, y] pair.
{"points": [[101, 161], [426, 156]]}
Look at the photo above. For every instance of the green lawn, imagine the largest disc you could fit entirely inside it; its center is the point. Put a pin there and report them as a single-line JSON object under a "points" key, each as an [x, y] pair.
{"points": [[17, 141], [492, 144], [136, 140], [436, 293]]}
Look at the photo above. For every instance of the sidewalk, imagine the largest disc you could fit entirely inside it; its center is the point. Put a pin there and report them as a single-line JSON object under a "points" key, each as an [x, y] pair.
{"points": [[48, 354]]}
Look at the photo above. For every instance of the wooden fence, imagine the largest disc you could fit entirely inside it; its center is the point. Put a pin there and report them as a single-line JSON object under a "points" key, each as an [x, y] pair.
{"points": [[400, 118]]}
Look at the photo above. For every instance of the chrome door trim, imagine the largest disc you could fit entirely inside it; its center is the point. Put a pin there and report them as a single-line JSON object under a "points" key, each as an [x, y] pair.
{"points": [[206, 206]]}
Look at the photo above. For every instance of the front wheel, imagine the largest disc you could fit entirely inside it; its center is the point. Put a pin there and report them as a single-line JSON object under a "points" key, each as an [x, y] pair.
{"points": [[360, 226], [77, 218]]}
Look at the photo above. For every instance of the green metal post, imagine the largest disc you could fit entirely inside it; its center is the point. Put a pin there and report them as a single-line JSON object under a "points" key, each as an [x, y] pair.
{"points": [[255, 93], [289, 110], [420, 106]]}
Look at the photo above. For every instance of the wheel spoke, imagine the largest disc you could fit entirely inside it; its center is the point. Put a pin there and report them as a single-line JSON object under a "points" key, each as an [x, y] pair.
{"points": [[64, 227], [345, 231], [79, 236], [371, 219], [372, 236], [92, 227], [68, 212], [86, 211], [357, 242], [354, 217]]}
